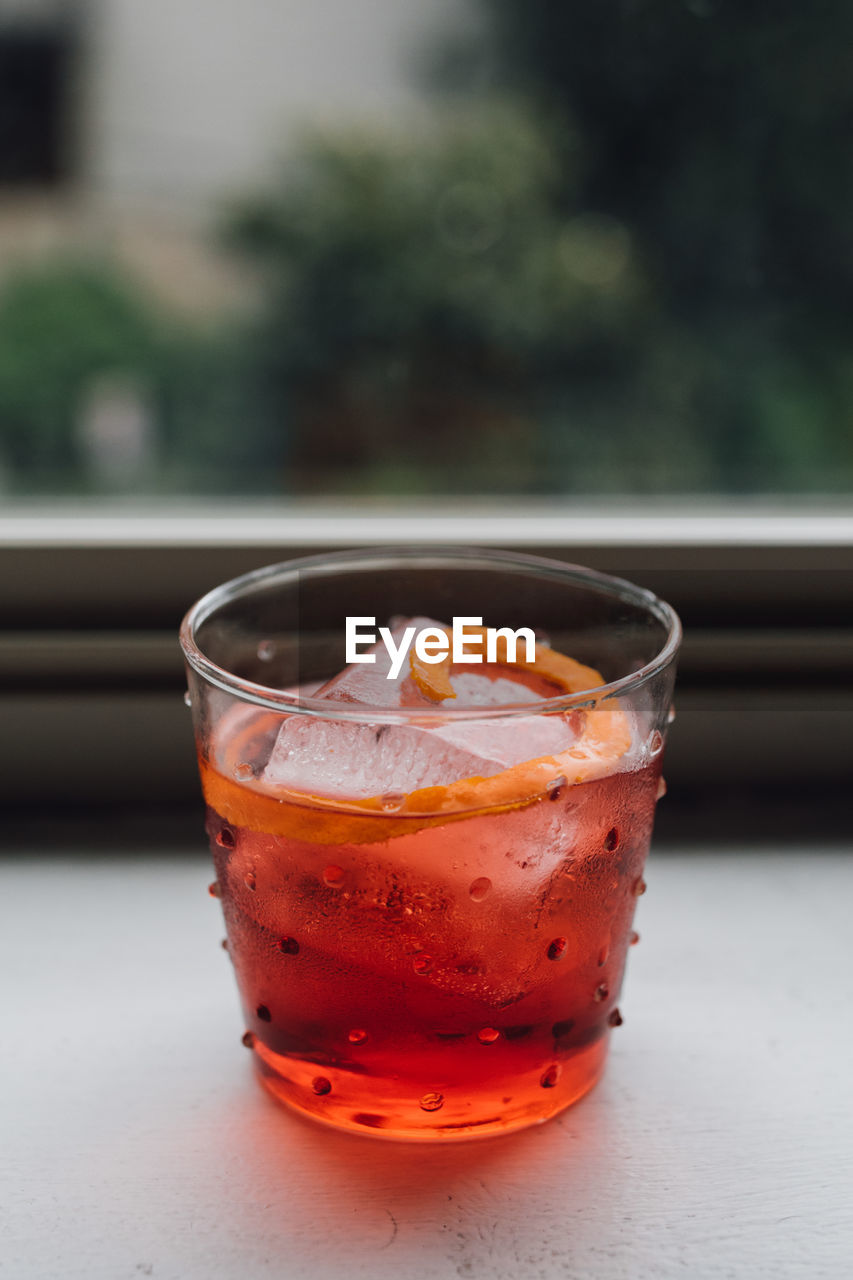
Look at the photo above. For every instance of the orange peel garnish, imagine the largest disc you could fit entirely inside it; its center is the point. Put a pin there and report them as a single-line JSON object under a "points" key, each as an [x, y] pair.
{"points": [[605, 737], [433, 678]]}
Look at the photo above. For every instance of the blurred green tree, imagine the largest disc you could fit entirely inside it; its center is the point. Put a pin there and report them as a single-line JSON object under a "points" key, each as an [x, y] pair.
{"points": [[62, 325], [81, 346], [427, 298], [718, 132]]}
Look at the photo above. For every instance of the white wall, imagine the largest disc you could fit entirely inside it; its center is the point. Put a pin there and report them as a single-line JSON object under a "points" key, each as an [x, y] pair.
{"points": [[185, 99]]}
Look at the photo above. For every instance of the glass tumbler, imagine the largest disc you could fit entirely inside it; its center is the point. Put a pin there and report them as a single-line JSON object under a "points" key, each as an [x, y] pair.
{"points": [[428, 854]]}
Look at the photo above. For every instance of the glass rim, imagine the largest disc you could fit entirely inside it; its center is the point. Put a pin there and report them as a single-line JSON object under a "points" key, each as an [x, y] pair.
{"points": [[375, 556]]}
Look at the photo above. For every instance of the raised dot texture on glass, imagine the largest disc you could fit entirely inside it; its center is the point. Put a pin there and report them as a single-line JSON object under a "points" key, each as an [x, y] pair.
{"points": [[480, 888], [557, 948], [555, 787], [321, 1086], [432, 1102]]}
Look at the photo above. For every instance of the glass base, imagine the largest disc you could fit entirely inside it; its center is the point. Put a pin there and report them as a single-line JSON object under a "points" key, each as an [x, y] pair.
{"points": [[392, 1108]]}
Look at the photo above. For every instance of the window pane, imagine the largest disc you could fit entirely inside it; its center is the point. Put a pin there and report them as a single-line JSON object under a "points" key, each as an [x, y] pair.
{"points": [[425, 247]]}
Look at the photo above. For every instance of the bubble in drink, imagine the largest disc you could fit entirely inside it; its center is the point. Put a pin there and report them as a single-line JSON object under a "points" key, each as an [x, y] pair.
{"points": [[432, 1102], [488, 1035], [480, 888]]}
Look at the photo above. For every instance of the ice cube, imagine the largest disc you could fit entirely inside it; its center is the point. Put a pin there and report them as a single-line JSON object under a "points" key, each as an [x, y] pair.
{"points": [[371, 683], [346, 759]]}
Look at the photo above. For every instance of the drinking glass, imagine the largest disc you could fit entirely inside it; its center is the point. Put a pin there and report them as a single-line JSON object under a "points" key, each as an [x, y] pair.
{"points": [[429, 874]]}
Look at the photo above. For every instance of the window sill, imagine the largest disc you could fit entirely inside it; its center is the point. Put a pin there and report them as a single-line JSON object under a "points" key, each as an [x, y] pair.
{"points": [[149, 1149]]}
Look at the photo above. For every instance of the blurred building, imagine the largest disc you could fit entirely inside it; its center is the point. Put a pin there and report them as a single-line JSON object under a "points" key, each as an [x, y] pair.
{"points": [[126, 121]]}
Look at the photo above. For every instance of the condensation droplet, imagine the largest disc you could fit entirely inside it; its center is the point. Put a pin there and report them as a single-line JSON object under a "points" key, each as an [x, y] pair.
{"points": [[243, 770], [357, 1036], [615, 1018], [392, 801], [248, 1039], [321, 1085], [661, 791], [266, 650], [602, 991], [611, 840], [488, 1035], [639, 887], [214, 889], [250, 881], [432, 1102], [226, 838], [422, 963], [263, 1013], [555, 787], [549, 1078], [479, 888], [289, 947], [577, 753], [603, 955], [655, 744], [557, 948], [670, 715], [634, 938], [188, 699], [333, 876]]}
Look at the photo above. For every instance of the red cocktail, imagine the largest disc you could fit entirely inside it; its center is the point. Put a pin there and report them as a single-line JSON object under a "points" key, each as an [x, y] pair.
{"points": [[428, 905]]}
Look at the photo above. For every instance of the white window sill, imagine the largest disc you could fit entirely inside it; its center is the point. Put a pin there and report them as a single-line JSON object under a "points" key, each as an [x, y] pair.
{"points": [[717, 1143]]}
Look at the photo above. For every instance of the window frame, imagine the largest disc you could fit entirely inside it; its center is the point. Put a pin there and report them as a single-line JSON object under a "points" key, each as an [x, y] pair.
{"points": [[91, 598]]}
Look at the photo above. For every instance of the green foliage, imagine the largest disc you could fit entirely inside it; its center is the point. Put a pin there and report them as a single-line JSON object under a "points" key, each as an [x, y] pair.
{"points": [[69, 328], [423, 293], [717, 132], [62, 325], [633, 274]]}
